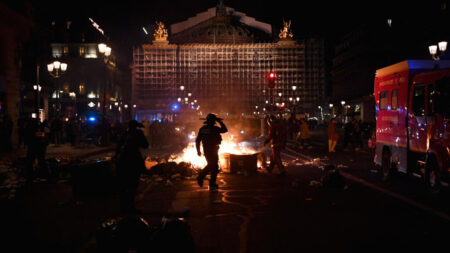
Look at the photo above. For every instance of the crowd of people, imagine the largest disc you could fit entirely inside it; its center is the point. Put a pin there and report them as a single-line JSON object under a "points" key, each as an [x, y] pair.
{"points": [[354, 132]]}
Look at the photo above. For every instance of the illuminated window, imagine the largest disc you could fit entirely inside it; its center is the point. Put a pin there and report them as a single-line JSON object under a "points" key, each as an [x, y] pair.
{"points": [[82, 50], [82, 88], [66, 50], [394, 100], [418, 102], [383, 100]]}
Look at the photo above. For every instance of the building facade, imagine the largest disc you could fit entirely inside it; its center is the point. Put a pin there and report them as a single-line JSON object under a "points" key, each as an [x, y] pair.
{"points": [[220, 61], [90, 85]]}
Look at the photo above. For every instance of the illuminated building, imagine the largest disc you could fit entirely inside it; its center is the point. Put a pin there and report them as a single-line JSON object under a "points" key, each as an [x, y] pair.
{"points": [[222, 58]]}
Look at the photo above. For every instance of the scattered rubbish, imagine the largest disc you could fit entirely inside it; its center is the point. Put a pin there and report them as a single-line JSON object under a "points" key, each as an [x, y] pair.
{"points": [[168, 182], [332, 178], [124, 235], [315, 183], [341, 166]]}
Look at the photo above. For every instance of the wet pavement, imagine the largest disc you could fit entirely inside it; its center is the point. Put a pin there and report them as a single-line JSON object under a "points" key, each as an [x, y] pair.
{"points": [[250, 213]]}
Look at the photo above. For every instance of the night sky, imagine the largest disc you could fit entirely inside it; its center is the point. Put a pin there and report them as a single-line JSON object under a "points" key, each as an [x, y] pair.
{"points": [[123, 20]]}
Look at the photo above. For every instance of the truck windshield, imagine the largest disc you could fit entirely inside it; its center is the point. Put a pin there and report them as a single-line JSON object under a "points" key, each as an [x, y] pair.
{"points": [[442, 97]]}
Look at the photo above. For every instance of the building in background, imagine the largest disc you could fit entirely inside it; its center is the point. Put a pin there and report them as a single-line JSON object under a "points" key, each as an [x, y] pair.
{"points": [[219, 61], [90, 84]]}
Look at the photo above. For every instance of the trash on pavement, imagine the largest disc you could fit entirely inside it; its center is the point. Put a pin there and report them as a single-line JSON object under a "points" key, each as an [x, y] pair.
{"points": [[124, 235], [341, 166], [332, 178], [315, 183]]}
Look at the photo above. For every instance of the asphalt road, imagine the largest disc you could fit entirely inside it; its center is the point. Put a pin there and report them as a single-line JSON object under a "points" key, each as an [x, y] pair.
{"points": [[253, 213]]}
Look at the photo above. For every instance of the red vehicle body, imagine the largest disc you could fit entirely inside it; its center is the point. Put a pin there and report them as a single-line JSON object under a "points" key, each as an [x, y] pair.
{"points": [[413, 126]]}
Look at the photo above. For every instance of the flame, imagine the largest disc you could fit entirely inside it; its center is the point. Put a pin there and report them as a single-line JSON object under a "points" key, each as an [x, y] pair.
{"points": [[228, 146]]}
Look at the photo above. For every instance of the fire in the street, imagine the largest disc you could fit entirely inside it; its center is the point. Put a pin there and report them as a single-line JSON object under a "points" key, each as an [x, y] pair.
{"points": [[229, 145]]}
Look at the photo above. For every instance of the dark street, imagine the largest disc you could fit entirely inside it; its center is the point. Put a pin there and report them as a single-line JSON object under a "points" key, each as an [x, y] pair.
{"points": [[250, 213]]}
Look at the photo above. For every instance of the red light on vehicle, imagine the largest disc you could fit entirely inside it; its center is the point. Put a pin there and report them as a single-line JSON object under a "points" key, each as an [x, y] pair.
{"points": [[272, 75]]}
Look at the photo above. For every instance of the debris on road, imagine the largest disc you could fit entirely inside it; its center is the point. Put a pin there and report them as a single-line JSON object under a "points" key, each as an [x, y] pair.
{"points": [[315, 183], [341, 166]]}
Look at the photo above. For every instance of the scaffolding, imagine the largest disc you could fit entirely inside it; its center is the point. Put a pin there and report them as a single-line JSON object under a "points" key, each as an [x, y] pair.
{"points": [[232, 76]]}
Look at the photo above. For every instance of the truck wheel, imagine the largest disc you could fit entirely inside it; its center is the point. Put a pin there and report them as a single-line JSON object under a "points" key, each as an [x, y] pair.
{"points": [[386, 166], [432, 175]]}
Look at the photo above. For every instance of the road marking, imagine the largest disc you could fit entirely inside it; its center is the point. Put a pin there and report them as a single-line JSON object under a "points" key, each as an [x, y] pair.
{"points": [[390, 193]]}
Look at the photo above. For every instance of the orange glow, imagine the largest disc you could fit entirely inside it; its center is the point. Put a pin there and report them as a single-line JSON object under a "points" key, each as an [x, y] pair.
{"points": [[228, 146]]}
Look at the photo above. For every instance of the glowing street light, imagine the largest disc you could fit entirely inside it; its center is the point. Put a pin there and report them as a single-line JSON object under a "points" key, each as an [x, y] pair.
{"points": [[434, 50]]}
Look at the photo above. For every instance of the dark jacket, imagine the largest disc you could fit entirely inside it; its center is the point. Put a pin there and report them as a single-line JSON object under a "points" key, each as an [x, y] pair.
{"points": [[209, 136], [129, 158]]}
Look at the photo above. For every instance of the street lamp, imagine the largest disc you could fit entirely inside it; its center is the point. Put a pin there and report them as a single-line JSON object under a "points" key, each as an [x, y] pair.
{"points": [[56, 68], [294, 87], [442, 46], [342, 103], [106, 52]]}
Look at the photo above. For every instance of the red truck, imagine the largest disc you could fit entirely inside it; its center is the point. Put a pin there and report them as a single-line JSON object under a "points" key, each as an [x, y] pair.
{"points": [[413, 127]]}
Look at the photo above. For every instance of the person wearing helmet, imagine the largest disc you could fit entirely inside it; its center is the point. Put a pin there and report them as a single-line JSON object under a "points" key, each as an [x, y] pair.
{"points": [[209, 136], [277, 137]]}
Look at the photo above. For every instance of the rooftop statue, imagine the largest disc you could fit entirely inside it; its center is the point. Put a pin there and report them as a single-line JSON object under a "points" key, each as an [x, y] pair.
{"points": [[286, 32], [160, 32]]}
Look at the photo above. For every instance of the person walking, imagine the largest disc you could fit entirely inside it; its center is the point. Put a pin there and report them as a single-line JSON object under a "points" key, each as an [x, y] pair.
{"points": [[304, 134], [349, 132], [130, 164], [333, 136], [209, 136], [277, 137]]}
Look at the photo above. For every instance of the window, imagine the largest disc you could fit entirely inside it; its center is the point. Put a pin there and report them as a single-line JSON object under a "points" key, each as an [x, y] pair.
{"points": [[441, 98], [66, 50], [394, 100], [383, 100], [82, 51], [418, 100], [82, 89]]}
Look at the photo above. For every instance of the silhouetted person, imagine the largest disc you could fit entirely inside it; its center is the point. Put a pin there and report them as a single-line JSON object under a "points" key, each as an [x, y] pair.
{"points": [[36, 142], [349, 132], [21, 124], [277, 137], [57, 128], [130, 164], [209, 136]]}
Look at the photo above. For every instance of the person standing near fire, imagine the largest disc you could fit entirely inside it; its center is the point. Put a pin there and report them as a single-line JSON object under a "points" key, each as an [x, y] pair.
{"points": [[209, 136], [277, 137], [130, 164]]}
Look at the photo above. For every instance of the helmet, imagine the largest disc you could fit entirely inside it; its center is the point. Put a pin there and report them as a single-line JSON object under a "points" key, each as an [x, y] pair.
{"points": [[211, 117]]}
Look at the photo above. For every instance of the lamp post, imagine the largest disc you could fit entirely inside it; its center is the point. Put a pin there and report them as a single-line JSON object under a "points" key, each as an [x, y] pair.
{"points": [[106, 53], [56, 69], [433, 49]]}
